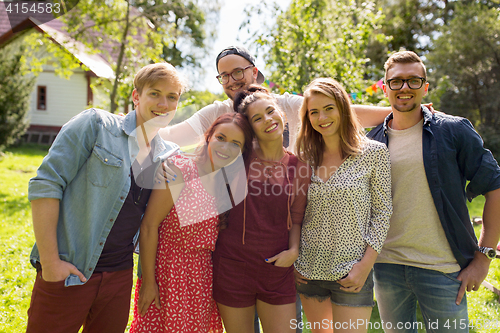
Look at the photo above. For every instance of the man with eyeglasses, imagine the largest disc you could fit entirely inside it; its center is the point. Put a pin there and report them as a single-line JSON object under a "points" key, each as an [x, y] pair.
{"points": [[237, 71], [431, 254]]}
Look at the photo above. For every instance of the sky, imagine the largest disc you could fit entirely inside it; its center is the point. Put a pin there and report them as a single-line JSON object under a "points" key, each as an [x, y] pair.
{"points": [[231, 17]]}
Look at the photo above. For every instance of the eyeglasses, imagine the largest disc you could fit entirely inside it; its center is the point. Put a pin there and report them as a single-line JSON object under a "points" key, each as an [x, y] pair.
{"points": [[413, 83], [237, 74]]}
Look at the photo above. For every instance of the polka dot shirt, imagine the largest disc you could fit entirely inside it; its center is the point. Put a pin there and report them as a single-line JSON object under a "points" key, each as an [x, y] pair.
{"points": [[345, 214]]}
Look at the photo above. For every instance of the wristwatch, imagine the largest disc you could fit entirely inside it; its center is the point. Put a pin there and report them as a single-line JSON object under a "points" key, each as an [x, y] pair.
{"points": [[489, 252]]}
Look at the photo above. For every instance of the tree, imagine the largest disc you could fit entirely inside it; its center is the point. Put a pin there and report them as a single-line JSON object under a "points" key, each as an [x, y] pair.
{"points": [[15, 92], [465, 64], [413, 24], [133, 33], [315, 38], [192, 23]]}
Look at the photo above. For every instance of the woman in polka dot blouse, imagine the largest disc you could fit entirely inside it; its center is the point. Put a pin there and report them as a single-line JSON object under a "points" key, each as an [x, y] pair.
{"points": [[348, 210]]}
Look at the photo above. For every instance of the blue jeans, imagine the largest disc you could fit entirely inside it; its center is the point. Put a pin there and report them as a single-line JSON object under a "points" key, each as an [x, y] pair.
{"points": [[322, 290], [399, 287]]}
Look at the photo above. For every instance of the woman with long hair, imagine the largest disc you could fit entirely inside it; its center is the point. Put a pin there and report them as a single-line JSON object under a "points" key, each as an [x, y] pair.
{"points": [[254, 255], [348, 210], [178, 234]]}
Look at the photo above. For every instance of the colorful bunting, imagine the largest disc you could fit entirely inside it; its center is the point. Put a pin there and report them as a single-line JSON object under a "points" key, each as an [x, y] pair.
{"points": [[357, 95]]}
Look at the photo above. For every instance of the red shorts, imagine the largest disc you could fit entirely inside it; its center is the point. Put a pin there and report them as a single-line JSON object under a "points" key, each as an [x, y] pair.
{"points": [[100, 305], [240, 284]]}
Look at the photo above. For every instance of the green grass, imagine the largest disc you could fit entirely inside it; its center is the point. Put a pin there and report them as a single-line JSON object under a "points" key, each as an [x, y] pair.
{"points": [[17, 275], [18, 165], [484, 306]]}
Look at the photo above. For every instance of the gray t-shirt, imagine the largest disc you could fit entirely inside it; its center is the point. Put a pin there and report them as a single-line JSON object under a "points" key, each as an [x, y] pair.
{"points": [[416, 236]]}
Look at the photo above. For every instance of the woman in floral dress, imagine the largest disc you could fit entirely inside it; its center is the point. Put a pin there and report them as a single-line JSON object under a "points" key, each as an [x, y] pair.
{"points": [[174, 293]]}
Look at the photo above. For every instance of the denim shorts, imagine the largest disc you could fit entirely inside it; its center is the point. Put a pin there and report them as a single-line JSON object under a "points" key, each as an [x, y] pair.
{"points": [[322, 290]]}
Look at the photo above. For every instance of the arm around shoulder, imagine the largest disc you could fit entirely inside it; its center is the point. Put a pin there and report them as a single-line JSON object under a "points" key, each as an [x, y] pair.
{"points": [[371, 116], [190, 131], [182, 134]]}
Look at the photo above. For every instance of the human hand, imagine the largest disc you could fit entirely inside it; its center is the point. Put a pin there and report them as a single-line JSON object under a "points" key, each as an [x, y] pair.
{"points": [[147, 294], [356, 278], [284, 259], [429, 106], [59, 270], [432, 110], [299, 278], [166, 173], [473, 275]]}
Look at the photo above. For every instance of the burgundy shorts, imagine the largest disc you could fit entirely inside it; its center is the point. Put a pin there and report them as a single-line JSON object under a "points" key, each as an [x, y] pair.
{"points": [[240, 284]]}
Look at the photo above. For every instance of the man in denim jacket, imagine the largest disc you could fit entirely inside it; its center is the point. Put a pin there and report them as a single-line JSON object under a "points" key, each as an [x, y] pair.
{"points": [[431, 253], [87, 201]]}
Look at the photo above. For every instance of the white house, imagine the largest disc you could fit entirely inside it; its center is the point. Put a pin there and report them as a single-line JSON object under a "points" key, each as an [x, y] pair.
{"points": [[55, 100]]}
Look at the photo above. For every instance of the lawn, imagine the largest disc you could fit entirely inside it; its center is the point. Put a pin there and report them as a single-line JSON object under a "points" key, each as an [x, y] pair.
{"points": [[16, 239]]}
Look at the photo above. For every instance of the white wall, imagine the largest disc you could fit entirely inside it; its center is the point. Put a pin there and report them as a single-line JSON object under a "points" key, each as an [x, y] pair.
{"points": [[64, 98]]}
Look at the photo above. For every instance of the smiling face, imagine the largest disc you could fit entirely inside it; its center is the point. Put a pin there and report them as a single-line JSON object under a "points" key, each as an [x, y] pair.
{"points": [[265, 119], [324, 115], [405, 99], [227, 65], [225, 144], [157, 103]]}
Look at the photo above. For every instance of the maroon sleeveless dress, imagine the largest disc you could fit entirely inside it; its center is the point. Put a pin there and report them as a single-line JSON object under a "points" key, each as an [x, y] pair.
{"points": [[257, 229]]}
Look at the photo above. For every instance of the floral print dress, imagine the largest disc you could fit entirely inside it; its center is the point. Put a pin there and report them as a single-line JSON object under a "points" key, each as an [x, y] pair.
{"points": [[184, 267]]}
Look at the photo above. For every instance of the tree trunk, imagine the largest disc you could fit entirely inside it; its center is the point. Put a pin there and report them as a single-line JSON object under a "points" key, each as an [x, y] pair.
{"points": [[119, 62]]}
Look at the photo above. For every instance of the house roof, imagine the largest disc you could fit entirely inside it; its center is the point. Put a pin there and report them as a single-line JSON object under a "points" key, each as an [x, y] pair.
{"points": [[11, 21], [12, 25]]}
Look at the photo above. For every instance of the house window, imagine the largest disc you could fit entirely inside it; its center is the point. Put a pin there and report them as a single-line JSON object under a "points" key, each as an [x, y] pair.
{"points": [[41, 98]]}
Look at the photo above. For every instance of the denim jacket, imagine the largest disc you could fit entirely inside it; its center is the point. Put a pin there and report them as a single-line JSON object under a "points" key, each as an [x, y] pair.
{"points": [[88, 170], [453, 154]]}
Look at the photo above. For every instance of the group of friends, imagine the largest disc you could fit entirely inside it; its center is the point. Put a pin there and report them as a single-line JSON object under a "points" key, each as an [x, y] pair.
{"points": [[245, 227]]}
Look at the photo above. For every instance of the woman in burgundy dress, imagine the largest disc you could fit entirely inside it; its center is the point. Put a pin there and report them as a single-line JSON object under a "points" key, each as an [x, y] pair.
{"points": [[254, 255]]}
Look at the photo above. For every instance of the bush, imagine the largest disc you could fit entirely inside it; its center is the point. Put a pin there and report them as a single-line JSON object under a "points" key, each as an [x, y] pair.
{"points": [[15, 92]]}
